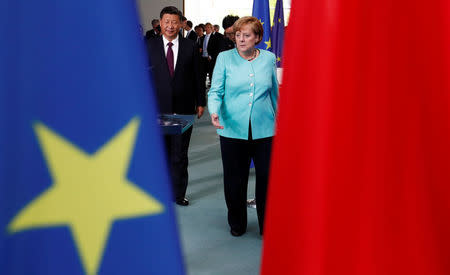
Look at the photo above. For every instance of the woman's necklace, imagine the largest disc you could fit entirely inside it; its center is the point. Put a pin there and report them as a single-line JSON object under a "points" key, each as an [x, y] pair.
{"points": [[255, 51]]}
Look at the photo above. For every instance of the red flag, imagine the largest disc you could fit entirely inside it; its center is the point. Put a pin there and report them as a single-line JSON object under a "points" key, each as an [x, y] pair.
{"points": [[360, 176]]}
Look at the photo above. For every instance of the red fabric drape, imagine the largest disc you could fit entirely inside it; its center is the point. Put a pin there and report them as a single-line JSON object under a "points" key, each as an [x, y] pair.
{"points": [[360, 176]]}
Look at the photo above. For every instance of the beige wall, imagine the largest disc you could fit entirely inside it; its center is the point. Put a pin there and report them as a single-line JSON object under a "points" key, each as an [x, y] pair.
{"points": [[150, 9]]}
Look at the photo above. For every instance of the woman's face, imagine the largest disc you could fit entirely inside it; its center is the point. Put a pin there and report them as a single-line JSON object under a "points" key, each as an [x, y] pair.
{"points": [[245, 39]]}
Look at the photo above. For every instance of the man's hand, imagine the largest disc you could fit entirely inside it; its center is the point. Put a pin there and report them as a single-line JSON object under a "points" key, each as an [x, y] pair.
{"points": [[200, 111], [215, 121]]}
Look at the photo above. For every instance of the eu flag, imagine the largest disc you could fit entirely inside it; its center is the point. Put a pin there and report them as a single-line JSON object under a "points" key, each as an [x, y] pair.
{"points": [[262, 12], [83, 181], [278, 32]]}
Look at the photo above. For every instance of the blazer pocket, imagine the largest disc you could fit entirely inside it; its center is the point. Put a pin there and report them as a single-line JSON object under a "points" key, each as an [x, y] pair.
{"points": [[271, 109]]}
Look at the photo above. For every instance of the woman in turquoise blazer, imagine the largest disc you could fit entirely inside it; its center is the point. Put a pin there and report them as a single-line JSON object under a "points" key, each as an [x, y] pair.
{"points": [[242, 102]]}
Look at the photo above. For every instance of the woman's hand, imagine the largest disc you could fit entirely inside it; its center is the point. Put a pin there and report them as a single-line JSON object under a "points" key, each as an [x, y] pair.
{"points": [[215, 121]]}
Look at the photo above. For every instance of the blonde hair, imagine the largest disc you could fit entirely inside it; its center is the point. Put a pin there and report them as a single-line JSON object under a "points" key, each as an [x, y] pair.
{"points": [[254, 24]]}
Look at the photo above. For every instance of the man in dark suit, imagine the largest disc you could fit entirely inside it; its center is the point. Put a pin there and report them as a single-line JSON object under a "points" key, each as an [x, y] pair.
{"points": [[155, 32], [174, 63], [190, 33], [199, 31], [216, 29], [211, 44], [216, 43], [229, 41], [183, 25]]}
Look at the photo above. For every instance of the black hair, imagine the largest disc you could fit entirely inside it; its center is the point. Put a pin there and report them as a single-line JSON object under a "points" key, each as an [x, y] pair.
{"points": [[171, 10], [155, 21], [189, 23], [229, 20]]}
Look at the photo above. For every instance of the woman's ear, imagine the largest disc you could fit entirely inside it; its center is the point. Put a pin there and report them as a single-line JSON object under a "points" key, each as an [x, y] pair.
{"points": [[258, 38]]}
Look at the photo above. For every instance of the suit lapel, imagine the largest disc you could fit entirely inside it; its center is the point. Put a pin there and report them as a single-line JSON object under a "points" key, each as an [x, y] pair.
{"points": [[162, 54], [180, 55]]}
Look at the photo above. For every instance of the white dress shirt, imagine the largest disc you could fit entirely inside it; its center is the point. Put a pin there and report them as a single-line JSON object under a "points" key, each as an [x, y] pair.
{"points": [[174, 49]]}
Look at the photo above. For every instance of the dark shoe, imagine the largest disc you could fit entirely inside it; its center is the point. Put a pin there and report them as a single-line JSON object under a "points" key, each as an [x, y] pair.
{"points": [[236, 233], [182, 202]]}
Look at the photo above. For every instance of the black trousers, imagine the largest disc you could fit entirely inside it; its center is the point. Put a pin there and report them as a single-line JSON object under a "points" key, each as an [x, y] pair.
{"points": [[236, 157], [207, 68], [177, 154]]}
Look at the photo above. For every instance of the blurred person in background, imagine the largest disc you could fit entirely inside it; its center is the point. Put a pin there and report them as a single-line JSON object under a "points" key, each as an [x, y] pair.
{"points": [[199, 31], [216, 29], [190, 33], [183, 25], [227, 24], [155, 31]]}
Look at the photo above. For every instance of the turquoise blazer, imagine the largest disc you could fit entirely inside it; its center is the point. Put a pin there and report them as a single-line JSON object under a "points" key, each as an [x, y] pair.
{"points": [[243, 91]]}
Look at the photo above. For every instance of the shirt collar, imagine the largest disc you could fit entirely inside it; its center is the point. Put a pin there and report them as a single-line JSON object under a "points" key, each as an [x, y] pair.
{"points": [[174, 42]]}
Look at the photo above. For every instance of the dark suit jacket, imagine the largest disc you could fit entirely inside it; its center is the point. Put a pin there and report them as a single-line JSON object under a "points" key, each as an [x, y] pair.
{"points": [[214, 47], [183, 92], [214, 44], [200, 43], [192, 35], [151, 34], [226, 44]]}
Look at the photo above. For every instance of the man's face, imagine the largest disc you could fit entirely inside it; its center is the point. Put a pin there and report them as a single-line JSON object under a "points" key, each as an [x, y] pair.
{"points": [[186, 27], [208, 29], [170, 25], [230, 34], [154, 25], [199, 32]]}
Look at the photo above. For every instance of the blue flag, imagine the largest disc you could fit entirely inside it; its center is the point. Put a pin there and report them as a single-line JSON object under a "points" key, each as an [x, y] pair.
{"points": [[262, 12], [278, 32], [84, 187]]}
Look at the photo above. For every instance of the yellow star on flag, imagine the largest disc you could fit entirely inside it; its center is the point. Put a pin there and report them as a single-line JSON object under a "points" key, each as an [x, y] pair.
{"points": [[278, 59], [268, 43], [89, 192]]}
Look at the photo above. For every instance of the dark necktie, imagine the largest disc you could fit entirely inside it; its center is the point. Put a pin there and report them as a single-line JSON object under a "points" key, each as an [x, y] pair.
{"points": [[170, 58]]}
